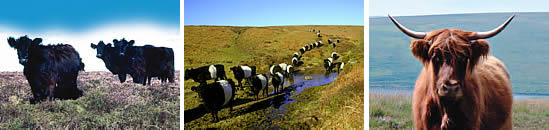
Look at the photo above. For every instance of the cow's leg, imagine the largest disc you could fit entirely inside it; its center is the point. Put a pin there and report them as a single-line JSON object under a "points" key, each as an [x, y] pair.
{"points": [[216, 118], [143, 79], [231, 105], [149, 79], [50, 90], [35, 88], [266, 92], [171, 78], [239, 83], [122, 77]]}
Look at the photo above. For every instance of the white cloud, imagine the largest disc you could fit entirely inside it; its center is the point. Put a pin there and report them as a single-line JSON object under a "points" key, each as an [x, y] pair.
{"points": [[142, 34]]}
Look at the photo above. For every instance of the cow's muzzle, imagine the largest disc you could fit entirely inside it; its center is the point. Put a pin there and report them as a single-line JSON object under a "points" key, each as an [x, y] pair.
{"points": [[451, 88], [23, 61]]}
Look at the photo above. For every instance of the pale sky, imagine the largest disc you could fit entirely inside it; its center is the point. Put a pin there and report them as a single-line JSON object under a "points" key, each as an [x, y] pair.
{"points": [[431, 7], [142, 32]]}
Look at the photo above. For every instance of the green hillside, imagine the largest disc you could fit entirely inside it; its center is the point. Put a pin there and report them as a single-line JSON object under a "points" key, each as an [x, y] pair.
{"points": [[522, 46], [338, 104]]}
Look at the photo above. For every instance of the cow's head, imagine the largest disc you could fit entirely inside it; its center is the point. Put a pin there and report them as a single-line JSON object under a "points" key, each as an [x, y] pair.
{"points": [[450, 54], [126, 45], [100, 47], [122, 45], [23, 46], [235, 69], [188, 74]]}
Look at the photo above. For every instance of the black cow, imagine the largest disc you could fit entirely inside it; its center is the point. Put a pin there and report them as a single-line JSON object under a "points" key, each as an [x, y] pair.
{"points": [[328, 64], [284, 66], [337, 40], [157, 61], [278, 80], [307, 48], [329, 41], [51, 70], [115, 63], [259, 82], [334, 44], [302, 50], [296, 61], [318, 35], [289, 71], [130, 60], [275, 68], [295, 54], [319, 44], [201, 74], [311, 46], [334, 56], [242, 72], [216, 96]]}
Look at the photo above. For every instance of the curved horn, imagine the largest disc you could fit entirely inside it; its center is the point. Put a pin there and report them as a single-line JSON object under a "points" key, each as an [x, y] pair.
{"points": [[414, 34], [491, 33]]}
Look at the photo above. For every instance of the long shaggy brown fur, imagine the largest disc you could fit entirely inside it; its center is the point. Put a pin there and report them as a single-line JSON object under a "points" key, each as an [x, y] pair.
{"points": [[487, 95]]}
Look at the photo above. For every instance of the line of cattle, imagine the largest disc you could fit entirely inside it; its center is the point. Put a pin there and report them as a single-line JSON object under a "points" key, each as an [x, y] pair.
{"points": [[52, 70], [221, 93]]}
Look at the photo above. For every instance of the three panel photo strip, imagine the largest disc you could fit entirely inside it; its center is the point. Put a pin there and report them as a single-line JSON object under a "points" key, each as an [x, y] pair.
{"points": [[309, 64]]}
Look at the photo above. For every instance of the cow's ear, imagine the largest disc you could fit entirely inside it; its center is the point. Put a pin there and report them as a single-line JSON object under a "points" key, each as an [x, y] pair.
{"points": [[36, 41], [109, 45], [93, 46], [480, 49], [115, 41], [12, 42], [131, 42], [420, 49]]}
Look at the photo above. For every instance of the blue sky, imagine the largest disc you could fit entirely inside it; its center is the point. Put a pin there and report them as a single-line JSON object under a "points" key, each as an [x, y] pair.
{"points": [[274, 12], [35, 15], [431, 7]]}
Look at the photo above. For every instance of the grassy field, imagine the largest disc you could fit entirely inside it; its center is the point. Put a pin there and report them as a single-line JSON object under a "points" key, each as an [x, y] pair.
{"points": [[395, 112], [106, 104], [261, 46]]}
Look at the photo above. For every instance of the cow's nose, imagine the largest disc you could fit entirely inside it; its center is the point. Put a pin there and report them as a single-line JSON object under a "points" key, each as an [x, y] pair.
{"points": [[23, 61], [450, 86]]}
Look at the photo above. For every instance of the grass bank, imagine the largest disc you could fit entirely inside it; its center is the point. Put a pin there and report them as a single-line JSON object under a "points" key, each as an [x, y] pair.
{"points": [[395, 112]]}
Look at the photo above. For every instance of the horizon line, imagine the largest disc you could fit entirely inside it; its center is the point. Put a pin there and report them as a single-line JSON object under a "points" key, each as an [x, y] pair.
{"points": [[377, 16], [273, 25]]}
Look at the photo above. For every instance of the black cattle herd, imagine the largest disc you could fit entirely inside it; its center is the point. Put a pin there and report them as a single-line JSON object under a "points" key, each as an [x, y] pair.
{"points": [[221, 93], [52, 70]]}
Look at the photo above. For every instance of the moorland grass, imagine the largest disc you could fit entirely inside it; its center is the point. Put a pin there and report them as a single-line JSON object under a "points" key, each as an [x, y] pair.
{"points": [[106, 104], [395, 112]]}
